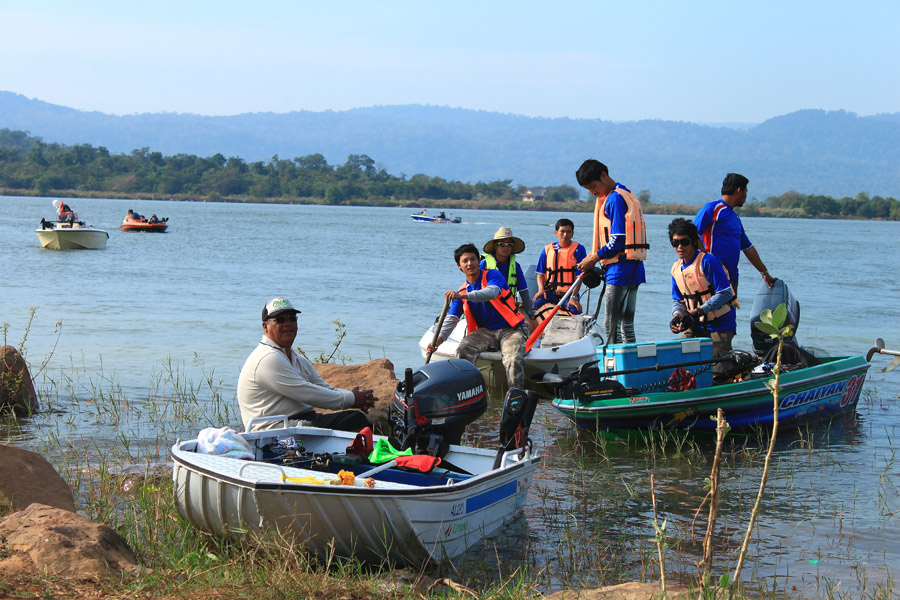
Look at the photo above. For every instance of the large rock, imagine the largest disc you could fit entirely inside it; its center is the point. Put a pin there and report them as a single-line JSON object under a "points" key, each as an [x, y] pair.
{"points": [[16, 388], [58, 542], [26, 477], [624, 591], [377, 375]]}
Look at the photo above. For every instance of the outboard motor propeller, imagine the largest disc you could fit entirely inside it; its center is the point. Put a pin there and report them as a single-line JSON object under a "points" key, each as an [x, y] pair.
{"points": [[433, 405], [518, 409]]}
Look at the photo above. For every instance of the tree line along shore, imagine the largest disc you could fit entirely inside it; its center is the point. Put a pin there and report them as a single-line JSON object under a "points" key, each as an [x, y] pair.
{"points": [[30, 167]]}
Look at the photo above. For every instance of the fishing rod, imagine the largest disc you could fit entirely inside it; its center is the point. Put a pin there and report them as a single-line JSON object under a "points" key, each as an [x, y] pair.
{"points": [[553, 378]]}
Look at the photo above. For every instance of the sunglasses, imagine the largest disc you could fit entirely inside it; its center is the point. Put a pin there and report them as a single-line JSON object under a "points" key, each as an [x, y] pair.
{"points": [[681, 242], [505, 244], [280, 319]]}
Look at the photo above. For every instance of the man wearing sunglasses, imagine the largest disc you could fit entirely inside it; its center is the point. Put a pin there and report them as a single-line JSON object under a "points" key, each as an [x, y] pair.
{"points": [[701, 292], [275, 380], [500, 253]]}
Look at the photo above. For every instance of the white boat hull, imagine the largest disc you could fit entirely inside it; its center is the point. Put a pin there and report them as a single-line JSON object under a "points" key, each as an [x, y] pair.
{"points": [[392, 521], [72, 238], [562, 358]]}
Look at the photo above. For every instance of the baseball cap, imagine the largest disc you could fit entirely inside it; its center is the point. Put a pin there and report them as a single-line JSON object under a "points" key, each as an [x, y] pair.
{"points": [[276, 306]]}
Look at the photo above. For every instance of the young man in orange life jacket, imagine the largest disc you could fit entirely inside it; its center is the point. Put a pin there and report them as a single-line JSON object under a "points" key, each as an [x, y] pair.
{"points": [[491, 316], [557, 269], [619, 244], [702, 296]]}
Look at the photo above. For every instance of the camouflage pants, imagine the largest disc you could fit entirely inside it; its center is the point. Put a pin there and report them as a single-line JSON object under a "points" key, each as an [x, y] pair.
{"points": [[510, 341], [721, 340]]}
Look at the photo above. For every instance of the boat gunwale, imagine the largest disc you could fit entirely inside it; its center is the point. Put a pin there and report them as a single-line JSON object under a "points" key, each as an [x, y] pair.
{"points": [[343, 489], [569, 407]]}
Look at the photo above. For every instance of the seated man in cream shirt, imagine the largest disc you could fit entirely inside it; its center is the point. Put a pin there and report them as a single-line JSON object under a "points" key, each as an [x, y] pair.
{"points": [[276, 380]]}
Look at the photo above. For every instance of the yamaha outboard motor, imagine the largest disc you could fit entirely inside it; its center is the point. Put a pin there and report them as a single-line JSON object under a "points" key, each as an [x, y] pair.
{"points": [[433, 405], [771, 298], [515, 422]]}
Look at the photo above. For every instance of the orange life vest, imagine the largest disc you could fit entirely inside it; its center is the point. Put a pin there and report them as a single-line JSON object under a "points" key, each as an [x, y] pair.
{"points": [[695, 287], [635, 230], [505, 304], [561, 267]]}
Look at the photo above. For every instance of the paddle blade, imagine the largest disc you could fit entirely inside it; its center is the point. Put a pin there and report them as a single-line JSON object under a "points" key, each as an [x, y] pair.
{"points": [[536, 334], [894, 364], [420, 462]]}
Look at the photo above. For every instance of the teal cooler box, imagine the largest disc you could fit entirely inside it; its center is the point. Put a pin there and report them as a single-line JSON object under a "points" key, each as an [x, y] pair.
{"points": [[621, 357]]}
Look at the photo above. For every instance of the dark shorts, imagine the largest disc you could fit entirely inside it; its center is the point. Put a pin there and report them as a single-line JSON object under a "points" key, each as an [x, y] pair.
{"points": [[344, 420]]}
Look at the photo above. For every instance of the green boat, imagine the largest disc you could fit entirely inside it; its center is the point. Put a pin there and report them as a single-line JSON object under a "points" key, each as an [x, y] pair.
{"points": [[816, 392]]}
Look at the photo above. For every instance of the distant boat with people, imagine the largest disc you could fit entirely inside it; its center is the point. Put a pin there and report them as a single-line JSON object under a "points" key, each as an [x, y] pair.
{"points": [[68, 232], [442, 217], [136, 222]]}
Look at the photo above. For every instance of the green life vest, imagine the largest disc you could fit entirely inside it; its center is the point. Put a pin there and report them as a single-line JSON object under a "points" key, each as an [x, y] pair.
{"points": [[490, 261]]}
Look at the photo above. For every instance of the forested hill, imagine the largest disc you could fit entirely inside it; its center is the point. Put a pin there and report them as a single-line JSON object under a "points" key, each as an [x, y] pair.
{"points": [[812, 151]]}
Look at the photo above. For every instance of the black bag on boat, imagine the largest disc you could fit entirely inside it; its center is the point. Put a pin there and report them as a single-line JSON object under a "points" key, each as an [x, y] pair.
{"points": [[792, 355], [736, 363]]}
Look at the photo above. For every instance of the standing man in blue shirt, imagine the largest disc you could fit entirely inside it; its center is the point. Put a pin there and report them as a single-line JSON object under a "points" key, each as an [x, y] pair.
{"points": [[619, 244], [723, 234], [492, 319]]}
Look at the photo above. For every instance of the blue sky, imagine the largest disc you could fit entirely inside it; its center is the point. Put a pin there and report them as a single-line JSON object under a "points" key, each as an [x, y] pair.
{"points": [[708, 62]]}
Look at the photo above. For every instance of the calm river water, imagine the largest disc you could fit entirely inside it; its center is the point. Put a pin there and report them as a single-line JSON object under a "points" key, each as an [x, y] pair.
{"points": [[189, 301]]}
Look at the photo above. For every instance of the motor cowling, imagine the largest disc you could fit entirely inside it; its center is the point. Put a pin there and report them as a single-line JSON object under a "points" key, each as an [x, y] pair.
{"points": [[433, 405], [769, 299]]}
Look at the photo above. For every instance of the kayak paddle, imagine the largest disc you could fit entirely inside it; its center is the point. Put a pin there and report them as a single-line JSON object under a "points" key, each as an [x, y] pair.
{"points": [[437, 331], [536, 334]]}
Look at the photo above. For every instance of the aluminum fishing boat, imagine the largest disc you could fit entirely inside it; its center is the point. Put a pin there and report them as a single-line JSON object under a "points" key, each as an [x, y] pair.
{"points": [[384, 513]]}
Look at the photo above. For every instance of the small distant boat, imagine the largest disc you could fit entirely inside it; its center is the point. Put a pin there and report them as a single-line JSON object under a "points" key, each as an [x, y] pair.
{"points": [[441, 218], [71, 235], [145, 225]]}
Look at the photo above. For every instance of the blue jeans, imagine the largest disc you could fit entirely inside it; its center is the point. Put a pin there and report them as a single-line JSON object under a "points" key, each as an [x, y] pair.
{"points": [[620, 301]]}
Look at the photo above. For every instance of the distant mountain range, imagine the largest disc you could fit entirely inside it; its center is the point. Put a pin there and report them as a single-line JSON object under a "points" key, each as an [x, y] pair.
{"points": [[835, 153]]}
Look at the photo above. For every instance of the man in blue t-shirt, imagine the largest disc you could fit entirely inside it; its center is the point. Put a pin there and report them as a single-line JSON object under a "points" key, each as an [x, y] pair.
{"points": [[700, 309], [616, 220], [491, 316], [723, 234]]}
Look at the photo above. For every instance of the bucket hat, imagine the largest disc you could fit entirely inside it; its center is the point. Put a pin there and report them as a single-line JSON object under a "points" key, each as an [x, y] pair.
{"points": [[502, 234]]}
